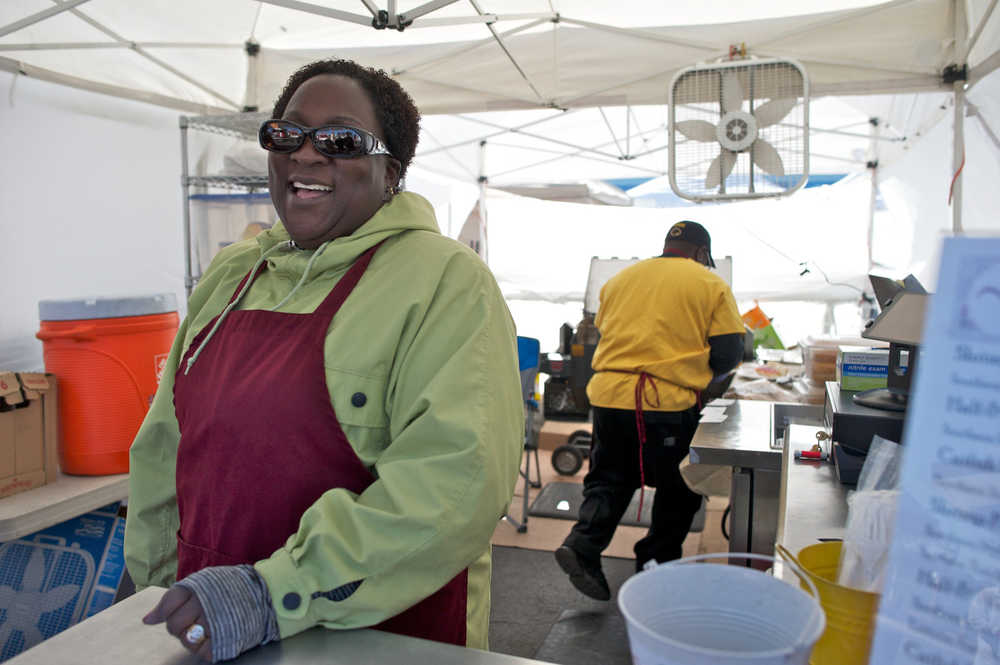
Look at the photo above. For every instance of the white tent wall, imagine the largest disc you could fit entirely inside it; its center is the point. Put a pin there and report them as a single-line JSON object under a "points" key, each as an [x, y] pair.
{"points": [[91, 192], [917, 185], [540, 251]]}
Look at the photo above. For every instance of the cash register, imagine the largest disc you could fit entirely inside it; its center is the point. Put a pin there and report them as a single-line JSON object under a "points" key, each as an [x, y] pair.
{"points": [[853, 418]]}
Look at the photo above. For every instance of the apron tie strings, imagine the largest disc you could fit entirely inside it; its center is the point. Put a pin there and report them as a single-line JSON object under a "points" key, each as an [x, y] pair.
{"points": [[640, 426]]}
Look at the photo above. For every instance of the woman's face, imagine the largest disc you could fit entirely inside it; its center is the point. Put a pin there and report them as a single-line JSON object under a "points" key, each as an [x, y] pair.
{"points": [[357, 186]]}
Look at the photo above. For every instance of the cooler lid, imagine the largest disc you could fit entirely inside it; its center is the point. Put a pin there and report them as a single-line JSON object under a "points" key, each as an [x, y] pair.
{"points": [[106, 307]]}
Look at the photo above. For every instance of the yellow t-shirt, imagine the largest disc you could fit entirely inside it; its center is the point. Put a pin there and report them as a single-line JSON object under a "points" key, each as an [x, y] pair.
{"points": [[656, 317]]}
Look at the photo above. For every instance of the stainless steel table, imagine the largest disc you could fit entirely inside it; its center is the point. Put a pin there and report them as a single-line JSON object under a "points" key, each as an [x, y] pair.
{"points": [[814, 506], [117, 636], [750, 440]]}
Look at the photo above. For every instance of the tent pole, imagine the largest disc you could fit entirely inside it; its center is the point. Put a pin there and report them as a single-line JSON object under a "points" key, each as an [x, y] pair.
{"points": [[40, 16], [873, 167], [24, 69], [958, 158], [958, 139], [250, 95], [185, 191], [979, 29]]}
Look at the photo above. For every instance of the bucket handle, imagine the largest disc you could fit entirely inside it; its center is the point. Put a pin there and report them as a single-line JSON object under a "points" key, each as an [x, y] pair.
{"points": [[88, 332], [794, 565], [82, 333]]}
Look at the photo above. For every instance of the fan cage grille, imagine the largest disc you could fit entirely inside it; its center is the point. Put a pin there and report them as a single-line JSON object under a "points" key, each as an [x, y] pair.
{"points": [[697, 95]]}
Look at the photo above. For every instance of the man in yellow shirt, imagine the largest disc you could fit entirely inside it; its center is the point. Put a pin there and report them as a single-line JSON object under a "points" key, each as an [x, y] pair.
{"points": [[669, 328]]}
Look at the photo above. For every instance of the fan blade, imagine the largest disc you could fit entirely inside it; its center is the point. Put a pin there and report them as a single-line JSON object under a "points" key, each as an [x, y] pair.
{"points": [[767, 158], [696, 130], [732, 93], [773, 111], [720, 168]]}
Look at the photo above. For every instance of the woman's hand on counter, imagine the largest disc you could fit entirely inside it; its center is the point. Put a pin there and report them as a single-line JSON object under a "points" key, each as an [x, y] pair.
{"points": [[185, 620]]}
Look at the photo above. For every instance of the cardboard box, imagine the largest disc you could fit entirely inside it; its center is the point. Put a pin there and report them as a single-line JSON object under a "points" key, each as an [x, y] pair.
{"points": [[556, 433], [29, 431], [862, 368]]}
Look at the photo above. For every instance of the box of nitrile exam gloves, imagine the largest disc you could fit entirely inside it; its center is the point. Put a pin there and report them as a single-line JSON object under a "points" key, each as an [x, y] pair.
{"points": [[862, 368]]}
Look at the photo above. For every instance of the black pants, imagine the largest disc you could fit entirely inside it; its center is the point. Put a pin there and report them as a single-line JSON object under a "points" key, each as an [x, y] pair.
{"points": [[614, 476]]}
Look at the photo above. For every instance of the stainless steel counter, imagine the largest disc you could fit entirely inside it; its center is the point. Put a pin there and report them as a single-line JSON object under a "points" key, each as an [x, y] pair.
{"points": [[117, 636], [750, 441], [741, 440], [815, 505]]}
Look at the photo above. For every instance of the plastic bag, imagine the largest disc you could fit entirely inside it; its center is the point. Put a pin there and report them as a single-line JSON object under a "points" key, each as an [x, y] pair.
{"points": [[706, 479], [871, 513], [881, 468], [865, 550]]}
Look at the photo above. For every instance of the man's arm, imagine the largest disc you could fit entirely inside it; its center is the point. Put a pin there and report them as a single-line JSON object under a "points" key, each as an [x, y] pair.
{"points": [[726, 352]]}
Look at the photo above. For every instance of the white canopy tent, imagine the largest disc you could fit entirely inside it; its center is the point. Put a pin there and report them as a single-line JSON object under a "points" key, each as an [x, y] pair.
{"points": [[556, 90]]}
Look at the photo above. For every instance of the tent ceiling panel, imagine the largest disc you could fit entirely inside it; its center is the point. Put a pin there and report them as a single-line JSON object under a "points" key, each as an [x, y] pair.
{"points": [[600, 53], [601, 138], [984, 19], [896, 46]]}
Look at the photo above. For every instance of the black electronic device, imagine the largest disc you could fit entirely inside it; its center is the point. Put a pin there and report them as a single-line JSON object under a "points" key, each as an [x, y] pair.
{"points": [[848, 464], [900, 323], [852, 427]]}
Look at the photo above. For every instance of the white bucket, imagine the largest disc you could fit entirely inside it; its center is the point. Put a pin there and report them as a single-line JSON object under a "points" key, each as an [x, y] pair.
{"points": [[679, 614]]}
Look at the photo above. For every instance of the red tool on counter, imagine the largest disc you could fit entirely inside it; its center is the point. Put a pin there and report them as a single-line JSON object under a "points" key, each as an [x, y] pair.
{"points": [[815, 453]]}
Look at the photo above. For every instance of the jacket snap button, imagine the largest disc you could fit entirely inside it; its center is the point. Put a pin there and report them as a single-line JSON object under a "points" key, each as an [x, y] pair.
{"points": [[291, 601], [359, 399]]}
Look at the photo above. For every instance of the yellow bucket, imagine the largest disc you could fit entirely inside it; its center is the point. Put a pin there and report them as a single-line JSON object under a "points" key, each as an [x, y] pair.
{"points": [[850, 613]]}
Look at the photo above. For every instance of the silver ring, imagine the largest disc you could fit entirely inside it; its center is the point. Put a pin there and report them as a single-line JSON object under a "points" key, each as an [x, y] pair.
{"points": [[195, 634]]}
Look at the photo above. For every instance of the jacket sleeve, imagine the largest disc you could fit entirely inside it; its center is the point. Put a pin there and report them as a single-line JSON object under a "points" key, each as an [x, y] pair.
{"points": [[151, 523], [725, 352], [456, 432]]}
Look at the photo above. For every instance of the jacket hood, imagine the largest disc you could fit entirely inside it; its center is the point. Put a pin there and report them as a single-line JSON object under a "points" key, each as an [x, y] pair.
{"points": [[405, 212]]}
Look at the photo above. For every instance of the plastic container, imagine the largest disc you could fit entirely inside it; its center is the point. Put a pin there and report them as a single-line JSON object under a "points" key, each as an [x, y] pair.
{"points": [[850, 613], [819, 355], [108, 354], [683, 614]]}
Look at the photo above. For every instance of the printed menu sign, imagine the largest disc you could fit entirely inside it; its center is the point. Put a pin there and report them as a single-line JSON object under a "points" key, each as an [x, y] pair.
{"points": [[941, 601]]}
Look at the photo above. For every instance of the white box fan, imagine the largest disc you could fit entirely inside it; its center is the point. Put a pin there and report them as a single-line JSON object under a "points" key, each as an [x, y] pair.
{"points": [[739, 130]]}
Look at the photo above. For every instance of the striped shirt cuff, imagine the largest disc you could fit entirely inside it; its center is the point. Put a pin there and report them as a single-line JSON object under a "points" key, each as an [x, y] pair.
{"points": [[237, 608]]}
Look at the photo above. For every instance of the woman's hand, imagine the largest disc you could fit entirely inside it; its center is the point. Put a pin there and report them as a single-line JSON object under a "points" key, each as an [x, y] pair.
{"points": [[185, 620]]}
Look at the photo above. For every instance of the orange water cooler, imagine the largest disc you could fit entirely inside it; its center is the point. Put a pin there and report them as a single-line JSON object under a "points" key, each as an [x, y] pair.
{"points": [[108, 355]]}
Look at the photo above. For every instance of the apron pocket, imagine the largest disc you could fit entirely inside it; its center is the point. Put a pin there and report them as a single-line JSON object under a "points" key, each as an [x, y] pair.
{"points": [[192, 558]]}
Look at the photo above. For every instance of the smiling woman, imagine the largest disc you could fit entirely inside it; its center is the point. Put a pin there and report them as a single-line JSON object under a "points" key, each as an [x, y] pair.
{"points": [[340, 423], [303, 180]]}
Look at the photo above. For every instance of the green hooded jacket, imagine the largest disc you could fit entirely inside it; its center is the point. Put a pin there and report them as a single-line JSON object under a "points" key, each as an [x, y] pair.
{"points": [[442, 430]]}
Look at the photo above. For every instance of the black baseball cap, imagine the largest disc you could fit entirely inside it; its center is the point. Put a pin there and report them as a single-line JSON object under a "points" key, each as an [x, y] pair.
{"points": [[694, 233]]}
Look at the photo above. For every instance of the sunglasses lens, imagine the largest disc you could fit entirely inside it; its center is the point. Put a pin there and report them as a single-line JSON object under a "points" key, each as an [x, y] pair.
{"points": [[340, 142], [280, 136]]}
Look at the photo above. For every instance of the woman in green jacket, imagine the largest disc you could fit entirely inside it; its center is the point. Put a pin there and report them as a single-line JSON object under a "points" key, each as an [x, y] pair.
{"points": [[340, 425]]}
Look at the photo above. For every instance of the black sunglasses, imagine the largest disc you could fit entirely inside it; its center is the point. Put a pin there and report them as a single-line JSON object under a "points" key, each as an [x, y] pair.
{"points": [[337, 141]]}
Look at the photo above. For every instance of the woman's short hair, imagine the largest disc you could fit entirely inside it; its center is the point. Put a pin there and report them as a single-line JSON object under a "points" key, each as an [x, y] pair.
{"points": [[394, 108]]}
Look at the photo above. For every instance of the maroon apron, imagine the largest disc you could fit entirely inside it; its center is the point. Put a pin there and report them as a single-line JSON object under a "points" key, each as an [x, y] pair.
{"points": [[260, 443]]}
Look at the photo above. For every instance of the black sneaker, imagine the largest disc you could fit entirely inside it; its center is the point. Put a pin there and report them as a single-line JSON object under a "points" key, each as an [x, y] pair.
{"points": [[586, 577]]}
